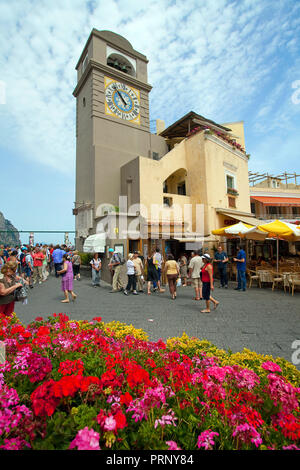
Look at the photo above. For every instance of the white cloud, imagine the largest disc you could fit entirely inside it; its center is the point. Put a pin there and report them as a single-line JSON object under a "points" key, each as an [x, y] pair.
{"points": [[217, 58]]}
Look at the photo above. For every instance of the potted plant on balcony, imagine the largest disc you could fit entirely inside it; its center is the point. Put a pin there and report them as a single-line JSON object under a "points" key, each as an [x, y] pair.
{"points": [[232, 192]]}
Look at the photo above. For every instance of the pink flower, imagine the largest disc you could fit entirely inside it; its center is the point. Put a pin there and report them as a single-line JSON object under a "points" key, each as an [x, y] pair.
{"points": [[246, 379], [271, 366], [205, 439], [172, 445], [166, 419], [86, 440], [14, 444], [109, 424], [282, 393], [247, 434]]}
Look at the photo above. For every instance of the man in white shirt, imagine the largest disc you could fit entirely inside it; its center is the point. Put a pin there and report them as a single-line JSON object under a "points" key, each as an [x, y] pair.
{"points": [[195, 266], [158, 259], [131, 276]]}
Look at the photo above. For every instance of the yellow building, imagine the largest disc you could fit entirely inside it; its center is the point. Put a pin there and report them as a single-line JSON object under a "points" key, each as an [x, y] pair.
{"points": [[206, 168]]}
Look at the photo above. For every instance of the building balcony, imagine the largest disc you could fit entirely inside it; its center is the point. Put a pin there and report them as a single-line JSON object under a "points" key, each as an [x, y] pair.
{"points": [[170, 199], [232, 192], [287, 217]]}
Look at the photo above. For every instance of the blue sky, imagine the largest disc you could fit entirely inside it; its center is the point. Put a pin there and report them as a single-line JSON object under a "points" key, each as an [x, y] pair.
{"points": [[229, 60]]}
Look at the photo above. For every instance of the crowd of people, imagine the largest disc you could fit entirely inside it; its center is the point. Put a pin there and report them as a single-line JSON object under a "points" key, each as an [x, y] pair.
{"points": [[29, 266], [197, 270]]}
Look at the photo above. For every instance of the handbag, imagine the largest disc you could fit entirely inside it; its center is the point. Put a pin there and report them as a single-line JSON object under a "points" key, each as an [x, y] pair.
{"points": [[20, 293]]}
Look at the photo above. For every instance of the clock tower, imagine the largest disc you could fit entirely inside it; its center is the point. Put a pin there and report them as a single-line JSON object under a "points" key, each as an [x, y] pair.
{"points": [[112, 122]]}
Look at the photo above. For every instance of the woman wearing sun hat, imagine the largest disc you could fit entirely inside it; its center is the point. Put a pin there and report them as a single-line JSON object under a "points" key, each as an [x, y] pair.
{"points": [[207, 283]]}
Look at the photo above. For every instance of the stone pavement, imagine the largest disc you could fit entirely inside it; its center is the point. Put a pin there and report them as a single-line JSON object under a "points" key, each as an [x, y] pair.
{"points": [[261, 320]]}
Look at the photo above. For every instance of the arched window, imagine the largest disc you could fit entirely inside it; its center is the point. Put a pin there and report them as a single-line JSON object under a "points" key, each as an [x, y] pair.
{"points": [[121, 63], [176, 183]]}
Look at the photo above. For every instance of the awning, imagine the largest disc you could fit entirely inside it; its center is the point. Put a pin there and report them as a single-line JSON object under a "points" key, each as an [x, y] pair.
{"points": [[242, 218], [95, 243], [277, 201]]}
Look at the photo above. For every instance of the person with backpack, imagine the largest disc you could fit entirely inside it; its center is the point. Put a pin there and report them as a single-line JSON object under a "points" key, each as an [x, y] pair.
{"points": [[115, 267], [29, 266]]}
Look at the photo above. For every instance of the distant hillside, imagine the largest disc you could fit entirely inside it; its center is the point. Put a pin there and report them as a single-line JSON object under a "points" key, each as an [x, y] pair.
{"points": [[11, 237]]}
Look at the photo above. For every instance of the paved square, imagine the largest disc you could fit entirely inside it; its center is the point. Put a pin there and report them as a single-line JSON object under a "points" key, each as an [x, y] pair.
{"points": [[261, 320]]}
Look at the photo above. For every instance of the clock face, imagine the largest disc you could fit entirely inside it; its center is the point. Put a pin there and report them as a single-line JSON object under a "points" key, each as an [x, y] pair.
{"points": [[122, 101]]}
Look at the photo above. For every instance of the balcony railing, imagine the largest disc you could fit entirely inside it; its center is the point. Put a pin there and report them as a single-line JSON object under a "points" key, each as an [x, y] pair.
{"points": [[277, 216]]}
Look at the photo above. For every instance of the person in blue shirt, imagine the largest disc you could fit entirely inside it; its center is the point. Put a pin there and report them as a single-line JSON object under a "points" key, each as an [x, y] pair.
{"points": [[241, 269], [57, 257], [221, 259]]}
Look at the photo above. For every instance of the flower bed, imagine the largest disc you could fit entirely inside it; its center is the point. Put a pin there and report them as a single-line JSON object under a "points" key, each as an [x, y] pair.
{"points": [[90, 386]]}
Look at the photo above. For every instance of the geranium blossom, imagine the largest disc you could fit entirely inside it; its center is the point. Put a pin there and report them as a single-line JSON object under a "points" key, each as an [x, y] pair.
{"points": [[205, 439], [271, 366], [247, 434], [166, 419], [172, 445], [86, 439]]}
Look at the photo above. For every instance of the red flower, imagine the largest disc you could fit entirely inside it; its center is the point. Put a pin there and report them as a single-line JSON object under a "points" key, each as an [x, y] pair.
{"points": [[120, 420], [66, 386], [126, 399], [43, 331], [138, 376], [43, 399], [71, 367], [85, 382], [17, 329], [151, 363], [99, 319]]}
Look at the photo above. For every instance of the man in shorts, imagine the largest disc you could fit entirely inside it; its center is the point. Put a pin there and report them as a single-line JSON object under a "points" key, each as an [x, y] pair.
{"points": [[115, 267], [195, 266]]}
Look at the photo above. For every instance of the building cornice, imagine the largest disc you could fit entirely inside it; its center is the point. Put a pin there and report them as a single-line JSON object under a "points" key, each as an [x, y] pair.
{"points": [[226, 146], [113, 73]]}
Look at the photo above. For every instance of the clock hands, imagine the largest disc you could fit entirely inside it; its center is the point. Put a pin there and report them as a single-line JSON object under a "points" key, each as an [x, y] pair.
{"points": [[115, 88]]}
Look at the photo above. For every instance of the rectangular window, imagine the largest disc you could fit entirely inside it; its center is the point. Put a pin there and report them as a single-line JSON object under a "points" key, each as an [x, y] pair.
{"points": [[231, 201], [230, 182], [253, 207]]}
